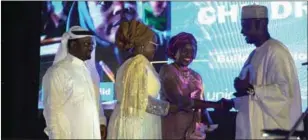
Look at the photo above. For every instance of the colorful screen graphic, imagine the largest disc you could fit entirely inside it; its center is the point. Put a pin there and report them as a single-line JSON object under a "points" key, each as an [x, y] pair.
{"points": [[222, 49], [100, 18]]}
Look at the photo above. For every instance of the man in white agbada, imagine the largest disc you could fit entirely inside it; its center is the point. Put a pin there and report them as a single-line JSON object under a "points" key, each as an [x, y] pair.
{"points": [[72, 101], [267, 90]]}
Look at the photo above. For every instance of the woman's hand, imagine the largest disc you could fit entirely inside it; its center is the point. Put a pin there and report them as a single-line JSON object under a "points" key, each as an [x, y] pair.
{"points": [[199, 132], [195, 94]]}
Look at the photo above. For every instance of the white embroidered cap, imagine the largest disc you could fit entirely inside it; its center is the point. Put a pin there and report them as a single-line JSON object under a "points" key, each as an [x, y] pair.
{"points": [[254, 11]]}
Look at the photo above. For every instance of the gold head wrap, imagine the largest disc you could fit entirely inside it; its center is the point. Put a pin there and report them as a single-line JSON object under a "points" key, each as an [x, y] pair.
{"points": [[133, 34]]}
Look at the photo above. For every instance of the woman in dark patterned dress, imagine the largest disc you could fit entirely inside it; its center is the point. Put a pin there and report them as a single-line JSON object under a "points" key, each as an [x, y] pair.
{"points": [[181, 85]]}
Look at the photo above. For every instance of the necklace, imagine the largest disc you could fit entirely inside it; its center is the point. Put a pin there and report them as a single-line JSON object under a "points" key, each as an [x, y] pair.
{"points": [[185, 74]]}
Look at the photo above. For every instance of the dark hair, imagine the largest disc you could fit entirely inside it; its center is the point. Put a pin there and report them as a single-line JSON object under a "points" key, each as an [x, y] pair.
{"points": [[180, 40]]}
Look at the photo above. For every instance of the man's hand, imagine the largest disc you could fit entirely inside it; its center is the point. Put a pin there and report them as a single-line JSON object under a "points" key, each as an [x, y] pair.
{"points": [[240, 93], [103, 132], [242, 85]]}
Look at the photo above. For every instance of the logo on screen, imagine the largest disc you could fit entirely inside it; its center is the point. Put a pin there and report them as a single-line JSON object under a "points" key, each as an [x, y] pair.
{"points": [[278, 10], [106, 91]]}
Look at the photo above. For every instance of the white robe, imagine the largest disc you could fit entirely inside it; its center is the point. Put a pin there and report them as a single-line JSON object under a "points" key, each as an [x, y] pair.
{"points": [[71, 101], [277, 99]]}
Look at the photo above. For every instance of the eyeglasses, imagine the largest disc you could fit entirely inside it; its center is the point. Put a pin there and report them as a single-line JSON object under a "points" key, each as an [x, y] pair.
{"points": [[88, 43], [155, 44]]}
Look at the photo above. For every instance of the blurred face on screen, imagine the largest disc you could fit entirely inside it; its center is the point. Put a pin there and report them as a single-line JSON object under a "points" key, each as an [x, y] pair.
{"points": [[107, 15], [55, 8], [158, 7], [185, 55]]}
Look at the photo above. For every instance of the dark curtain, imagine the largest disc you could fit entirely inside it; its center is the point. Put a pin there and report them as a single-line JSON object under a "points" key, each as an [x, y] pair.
{"points": [[20, 41]]}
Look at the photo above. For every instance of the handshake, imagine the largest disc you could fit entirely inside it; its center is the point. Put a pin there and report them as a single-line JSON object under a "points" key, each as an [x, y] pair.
{"points": [[222, 104], [226, 104]]}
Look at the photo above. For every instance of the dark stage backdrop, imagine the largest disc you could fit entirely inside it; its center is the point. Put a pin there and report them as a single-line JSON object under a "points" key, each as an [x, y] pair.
{"points": [[20, 73], [20, 76]]}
